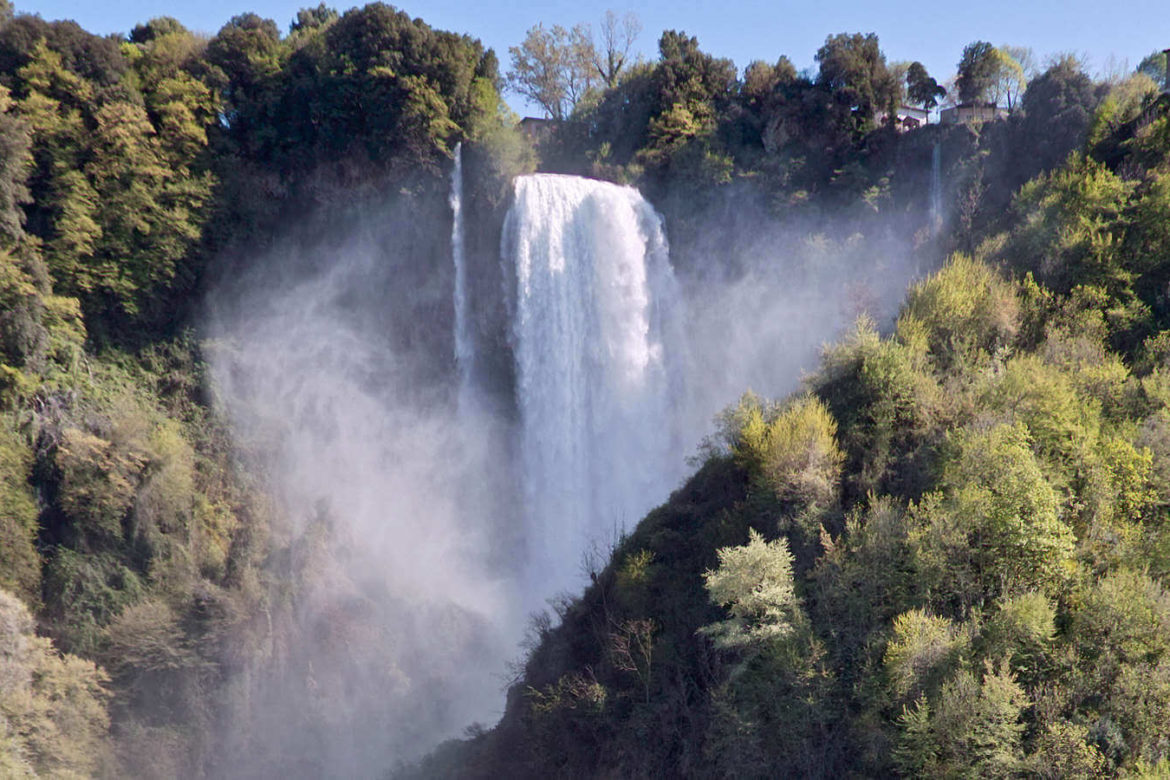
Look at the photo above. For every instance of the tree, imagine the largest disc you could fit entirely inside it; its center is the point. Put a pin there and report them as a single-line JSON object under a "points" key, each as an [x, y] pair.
{"points": [[617, 38], [972, 729], [1154, 66], [313, 18], [977, 70], [961, 314], [853, 70], [794, 451], [1025, 57], [53, 718], [1057, 107], [1008, 80], [921, 88], [995, 526], [688, 75], [553, 68], [15, 156], [754, 583], [156, 28]]}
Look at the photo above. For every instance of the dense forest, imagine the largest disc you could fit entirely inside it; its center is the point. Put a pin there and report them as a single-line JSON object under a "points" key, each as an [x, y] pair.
{"points": [[947, 553]]}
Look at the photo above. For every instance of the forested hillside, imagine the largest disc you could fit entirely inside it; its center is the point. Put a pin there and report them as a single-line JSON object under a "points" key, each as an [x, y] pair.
{"points": [[139, 552], [947, 554]]}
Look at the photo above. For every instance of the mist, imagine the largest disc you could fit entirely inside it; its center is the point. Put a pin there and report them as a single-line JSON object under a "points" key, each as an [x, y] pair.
{"points": [[421, 523], [398, 631]]}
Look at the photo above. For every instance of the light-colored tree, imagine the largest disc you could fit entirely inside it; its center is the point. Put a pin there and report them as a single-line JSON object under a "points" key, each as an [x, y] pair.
{"points": [[794, 450], [754, 583], [53, 720], [923, 650], [1008, 80], [553, 68], [612, 49], [1026, 57]]}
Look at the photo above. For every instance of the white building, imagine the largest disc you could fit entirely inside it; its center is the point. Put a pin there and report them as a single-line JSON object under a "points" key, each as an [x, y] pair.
{"points": [[906, 118]]}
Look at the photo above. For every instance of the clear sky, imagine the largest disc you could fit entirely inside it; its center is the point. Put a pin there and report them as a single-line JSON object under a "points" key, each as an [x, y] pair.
{"points": [[744, 30]]}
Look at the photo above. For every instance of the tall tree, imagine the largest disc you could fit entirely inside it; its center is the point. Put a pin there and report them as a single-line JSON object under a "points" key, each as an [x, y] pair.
{"points": [[1154, 66], [553, 68], [921, 88], [1008, 80], [976, 72], [853, 70], [616, 40]]}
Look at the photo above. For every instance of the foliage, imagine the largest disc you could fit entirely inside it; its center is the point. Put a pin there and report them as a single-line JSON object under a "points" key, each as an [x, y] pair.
{"points": [[53, 719], [921, 89], [754, 583], [854, 69], [794, 449], [976, 72], [963, 312], [553, 68]]}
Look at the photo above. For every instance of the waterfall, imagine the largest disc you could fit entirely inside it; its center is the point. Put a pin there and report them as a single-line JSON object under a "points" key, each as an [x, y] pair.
{"points": [[464, 341], [936, 189], [591, 334]]}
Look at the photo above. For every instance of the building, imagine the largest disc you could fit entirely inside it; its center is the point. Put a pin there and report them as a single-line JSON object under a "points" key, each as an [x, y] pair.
{"points": [[537, 129], [971, 113], [906, 118]]}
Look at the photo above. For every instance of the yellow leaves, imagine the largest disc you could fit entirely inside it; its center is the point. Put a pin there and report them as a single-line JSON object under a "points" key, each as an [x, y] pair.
{"points": [[53, 705], [425, 112], [147, 637], [98, 481], [185, 108], [795, 451], [76, 233], [963, 312], [923, 650], [20, 566], [164, 502], [45, 73], [575, 691]]}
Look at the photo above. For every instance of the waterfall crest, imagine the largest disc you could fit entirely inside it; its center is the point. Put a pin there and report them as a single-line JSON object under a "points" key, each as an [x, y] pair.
{"points": [[592, 340]]}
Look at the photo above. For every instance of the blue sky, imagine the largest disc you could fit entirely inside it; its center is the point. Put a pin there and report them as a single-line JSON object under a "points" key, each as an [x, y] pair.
{"points": [[744, 30]]}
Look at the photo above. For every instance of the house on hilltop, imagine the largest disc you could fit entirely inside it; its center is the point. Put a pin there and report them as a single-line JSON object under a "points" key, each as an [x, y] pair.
{"points": [[536, 128], [971, 113], [906, 118]]}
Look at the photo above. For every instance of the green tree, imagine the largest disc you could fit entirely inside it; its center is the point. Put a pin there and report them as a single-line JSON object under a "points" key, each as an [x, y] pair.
{"points": [[921, 88], [313, 18], [554, 68], [853, 71], [977, 72], [995, 527], [1154, 66], [53, 719]]}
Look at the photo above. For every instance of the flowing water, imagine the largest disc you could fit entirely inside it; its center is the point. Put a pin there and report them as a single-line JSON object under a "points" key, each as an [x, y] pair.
{"points": [[593, 350], [464, 341], [936, 189]]}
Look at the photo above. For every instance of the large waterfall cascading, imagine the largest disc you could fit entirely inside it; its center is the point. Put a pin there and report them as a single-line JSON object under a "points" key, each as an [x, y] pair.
{"points": [[464, 343], [592, 339]]}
